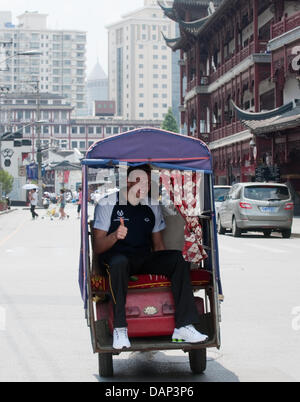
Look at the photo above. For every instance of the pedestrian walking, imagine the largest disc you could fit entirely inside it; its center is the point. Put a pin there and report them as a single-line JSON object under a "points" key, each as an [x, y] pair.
{"points": [[79, 203], [33, 198], [62, 205]]}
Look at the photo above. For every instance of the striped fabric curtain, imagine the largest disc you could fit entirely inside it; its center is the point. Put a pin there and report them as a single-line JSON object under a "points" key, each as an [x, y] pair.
{"points": [[184, 190]]}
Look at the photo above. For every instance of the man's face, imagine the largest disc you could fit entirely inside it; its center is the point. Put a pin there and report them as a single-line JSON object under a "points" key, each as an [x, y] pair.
{"points": [[138, 186]]}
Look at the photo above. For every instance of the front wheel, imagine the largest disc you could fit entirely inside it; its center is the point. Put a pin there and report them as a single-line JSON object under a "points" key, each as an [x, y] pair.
{"points": [[221, 229], [236, 231], [198, 361], [106, 368], [286, 234]]}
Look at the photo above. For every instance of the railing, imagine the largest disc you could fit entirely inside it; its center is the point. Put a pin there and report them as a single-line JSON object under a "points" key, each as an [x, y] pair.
{"points": [[204, 81], [237, 58], [230, 129], [286, 25]]}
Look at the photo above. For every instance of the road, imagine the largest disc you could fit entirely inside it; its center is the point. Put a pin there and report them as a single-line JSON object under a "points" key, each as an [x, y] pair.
{"points": [[44, 337]]}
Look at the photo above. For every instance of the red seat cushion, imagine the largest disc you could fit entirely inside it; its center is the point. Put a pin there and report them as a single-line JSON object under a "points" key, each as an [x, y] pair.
{"points": [[199, 278]]}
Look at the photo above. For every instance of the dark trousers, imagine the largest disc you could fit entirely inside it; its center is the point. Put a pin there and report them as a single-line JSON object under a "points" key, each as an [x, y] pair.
{"points": [[168, 263], [33, 213]]}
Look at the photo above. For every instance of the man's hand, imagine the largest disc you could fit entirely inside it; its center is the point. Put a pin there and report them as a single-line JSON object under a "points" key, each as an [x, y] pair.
{"points": [[121, 233]]}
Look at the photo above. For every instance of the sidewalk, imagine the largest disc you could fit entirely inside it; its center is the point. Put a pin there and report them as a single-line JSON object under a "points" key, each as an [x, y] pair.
{"points": [[8, 211], [296, 225]]}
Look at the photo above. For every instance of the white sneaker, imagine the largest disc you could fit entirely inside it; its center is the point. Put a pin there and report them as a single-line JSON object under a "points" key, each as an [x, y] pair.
{"points": [[121, 340], [188, 334]]}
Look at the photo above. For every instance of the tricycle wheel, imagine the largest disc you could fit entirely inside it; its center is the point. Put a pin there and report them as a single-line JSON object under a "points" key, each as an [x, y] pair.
{"points": [[106, 368], [198, 361]]}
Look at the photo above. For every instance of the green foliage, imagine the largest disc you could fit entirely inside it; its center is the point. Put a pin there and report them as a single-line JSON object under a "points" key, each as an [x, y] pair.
{"points": [[170, 123], [7, 182]]}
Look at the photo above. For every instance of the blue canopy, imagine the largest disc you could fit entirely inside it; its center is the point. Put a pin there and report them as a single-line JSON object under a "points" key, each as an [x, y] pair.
{"points": [[153, 146]]}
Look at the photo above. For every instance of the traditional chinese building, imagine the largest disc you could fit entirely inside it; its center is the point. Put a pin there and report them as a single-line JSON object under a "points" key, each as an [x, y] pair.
{"points": [[243, 53]]}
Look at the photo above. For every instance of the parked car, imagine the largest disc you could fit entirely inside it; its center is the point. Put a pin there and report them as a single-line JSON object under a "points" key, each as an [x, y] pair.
{"points": [[220, 193], [263, 207]]}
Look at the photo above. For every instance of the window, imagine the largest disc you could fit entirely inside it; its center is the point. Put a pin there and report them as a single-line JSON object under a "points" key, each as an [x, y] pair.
{"points": [[74, 130], [82, 130], [82, 144], [74, 144]]}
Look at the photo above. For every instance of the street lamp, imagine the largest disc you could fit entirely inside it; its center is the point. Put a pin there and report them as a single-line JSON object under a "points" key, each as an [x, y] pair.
{"points": [[24, 53], [31, 53]]}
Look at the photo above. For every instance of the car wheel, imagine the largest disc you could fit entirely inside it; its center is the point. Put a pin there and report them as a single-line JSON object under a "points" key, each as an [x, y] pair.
{"points": [[221, 229], [286, 234], [267, 233], [236, 231], [198, 361]]}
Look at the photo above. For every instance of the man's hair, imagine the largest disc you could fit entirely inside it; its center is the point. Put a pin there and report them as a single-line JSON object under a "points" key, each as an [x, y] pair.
{"points": [[145, 168]]}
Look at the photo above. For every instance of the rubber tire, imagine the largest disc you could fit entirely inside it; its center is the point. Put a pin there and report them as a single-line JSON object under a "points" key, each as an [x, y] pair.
{"points": [[286, 234], [267, 233], [198, 361], [106, 368], [236, 231], [221, 229]]}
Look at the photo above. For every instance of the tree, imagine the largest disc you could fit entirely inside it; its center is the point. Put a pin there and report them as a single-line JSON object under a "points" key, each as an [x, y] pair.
{"points": [[7, 181], [170, 124]]}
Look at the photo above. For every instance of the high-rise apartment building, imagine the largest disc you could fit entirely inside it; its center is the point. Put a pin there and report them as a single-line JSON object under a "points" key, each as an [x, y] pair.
{"points": [[140, 63], [61, 67]]}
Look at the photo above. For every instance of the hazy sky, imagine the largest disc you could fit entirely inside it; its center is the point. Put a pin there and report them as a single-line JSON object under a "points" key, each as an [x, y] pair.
{"points": [[87, 15]]}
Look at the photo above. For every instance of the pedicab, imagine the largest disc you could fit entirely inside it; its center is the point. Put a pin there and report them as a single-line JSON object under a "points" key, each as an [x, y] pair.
{"points": [[150, 304]]}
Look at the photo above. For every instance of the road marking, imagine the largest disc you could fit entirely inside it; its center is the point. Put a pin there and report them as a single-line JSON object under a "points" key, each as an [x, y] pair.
{"points": [[269, 249], [3, 241], [293, 246], [230, 249]]}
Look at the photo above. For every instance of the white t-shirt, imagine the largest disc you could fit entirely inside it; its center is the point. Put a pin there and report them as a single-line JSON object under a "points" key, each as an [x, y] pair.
{"points": [[104, 210], [34, 199]]}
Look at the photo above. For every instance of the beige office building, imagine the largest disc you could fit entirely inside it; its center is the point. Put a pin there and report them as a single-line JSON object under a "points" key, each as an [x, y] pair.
{"points": [[140, 63]]}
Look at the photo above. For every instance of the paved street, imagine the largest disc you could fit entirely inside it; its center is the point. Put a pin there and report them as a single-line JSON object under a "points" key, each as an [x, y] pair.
{"points": [[43, 334]]}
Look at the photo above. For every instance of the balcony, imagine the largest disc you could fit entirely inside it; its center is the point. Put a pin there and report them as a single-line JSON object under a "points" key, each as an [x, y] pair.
{"points": [[226, 131], [286, 25], [237, 58], [204, 81]]}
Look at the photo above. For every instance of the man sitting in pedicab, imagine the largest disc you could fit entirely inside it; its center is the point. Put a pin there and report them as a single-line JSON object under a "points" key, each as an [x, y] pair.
{"points": [[129, 240]]}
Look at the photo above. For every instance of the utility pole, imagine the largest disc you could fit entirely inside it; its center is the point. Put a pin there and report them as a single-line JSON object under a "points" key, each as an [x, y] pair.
{"points": [[38, 143]]}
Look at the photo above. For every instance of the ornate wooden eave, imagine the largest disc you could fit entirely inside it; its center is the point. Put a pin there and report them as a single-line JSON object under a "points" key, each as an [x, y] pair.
{"points": [[280, 119], [190, 3], [261, 116], [169, 12], [176, 43], [194, 28]]}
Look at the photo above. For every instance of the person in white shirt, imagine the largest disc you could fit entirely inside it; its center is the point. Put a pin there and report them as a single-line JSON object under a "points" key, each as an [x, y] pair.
{"points": [[33, 197], [128, 240]]}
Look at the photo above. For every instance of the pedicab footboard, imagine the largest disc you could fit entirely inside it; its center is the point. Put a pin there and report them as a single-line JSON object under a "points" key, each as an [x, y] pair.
{"points": [[144, 344], [150, 313]]}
